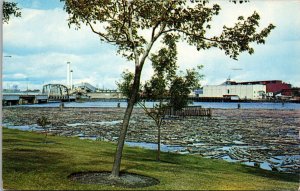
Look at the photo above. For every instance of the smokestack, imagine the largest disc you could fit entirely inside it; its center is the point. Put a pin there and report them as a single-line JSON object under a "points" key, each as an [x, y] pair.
{"points": [[68, 74], [71, 76]]}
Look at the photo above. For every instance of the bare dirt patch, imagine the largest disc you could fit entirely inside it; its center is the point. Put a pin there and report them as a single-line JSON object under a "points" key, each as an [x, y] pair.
{"points": [[127, 180]]}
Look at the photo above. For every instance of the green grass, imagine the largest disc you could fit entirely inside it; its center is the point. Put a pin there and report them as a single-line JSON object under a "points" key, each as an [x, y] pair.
{"points": [[28, 163]]}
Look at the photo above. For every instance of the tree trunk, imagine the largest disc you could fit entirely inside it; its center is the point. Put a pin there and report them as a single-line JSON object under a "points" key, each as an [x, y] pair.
{"points": [[45, 139], [158, 140], [118, 156], [158, 124]]}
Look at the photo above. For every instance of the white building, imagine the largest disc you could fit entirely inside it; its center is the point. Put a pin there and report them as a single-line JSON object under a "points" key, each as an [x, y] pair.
{"points": [[253, 92]]}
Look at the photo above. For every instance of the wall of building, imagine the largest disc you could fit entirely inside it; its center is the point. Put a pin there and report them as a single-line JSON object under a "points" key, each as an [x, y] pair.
{"points": [[243, 91], [275, 86], [105, 95]]}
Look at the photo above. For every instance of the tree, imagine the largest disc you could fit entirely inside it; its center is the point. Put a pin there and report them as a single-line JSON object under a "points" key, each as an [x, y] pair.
{"points": [[163, 86], [124, 23], [125, 85], [10, 9], [181, 87], [163, 89], [170, 95], [43, 122]]}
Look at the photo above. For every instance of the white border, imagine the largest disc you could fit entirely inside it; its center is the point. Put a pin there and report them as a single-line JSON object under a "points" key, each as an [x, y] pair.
{"points": [[1, 59]]}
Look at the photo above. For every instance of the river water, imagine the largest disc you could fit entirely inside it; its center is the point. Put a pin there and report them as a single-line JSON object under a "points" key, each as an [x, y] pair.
{"points": [[220, 105], [279, 161]]}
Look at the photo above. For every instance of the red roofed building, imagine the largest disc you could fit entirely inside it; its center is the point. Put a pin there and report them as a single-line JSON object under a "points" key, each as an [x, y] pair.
{"points": [[274, 86]]}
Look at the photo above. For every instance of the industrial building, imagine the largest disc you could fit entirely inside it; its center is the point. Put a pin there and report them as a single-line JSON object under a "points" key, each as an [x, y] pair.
{"points": [[236, 92], [252, 90], [273, 87]]}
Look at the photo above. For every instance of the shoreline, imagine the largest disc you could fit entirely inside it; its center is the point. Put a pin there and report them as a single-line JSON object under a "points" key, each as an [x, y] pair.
{"points": [[214, 105], [136, 107]]}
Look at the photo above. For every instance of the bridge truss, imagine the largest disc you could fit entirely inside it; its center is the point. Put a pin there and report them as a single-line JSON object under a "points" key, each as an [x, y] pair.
{"points": [[56, 92]]}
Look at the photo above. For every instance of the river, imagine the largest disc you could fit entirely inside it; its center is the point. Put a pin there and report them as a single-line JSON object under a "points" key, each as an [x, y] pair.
{"points": [[217, 105]]}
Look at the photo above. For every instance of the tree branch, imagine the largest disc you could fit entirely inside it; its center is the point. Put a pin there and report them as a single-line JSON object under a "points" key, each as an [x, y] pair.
{"points": [[202, 37], [101, 34], [147, 112], [117, 41]]}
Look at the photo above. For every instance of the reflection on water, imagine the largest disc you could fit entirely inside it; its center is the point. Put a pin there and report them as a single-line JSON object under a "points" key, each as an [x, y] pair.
{"points": [[221, 105], [34, 127], [265, 165], [108, 122], [250, 105], [95, 123], [153, 146], [75, 124], [94, 138]]}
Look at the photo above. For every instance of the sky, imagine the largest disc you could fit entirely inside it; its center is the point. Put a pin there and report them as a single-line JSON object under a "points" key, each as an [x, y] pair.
{"points": [[37, 47]]}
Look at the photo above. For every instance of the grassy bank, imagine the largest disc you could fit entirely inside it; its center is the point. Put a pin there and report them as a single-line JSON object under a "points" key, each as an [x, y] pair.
{"points": [[28, 163]]}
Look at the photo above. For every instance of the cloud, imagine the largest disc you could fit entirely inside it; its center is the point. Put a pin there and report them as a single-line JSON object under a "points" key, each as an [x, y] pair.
{"points": [[52, 68], [41, 43], [277, 59], [47, 31]]}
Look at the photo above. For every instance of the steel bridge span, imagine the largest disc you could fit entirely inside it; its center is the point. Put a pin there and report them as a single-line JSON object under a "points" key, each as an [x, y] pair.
{"points": [[57, 92]]}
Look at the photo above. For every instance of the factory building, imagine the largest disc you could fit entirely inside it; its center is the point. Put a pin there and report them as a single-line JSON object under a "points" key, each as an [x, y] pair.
{"points": [[235, 92], [252, 90], [273, 87]]}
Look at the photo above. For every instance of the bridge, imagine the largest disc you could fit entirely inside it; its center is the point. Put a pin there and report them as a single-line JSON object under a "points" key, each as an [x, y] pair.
{"points": [[50, 93], [23, 98], [57, 92], [86, 87]]}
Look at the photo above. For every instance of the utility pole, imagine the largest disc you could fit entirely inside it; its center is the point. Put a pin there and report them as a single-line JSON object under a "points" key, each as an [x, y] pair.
{"points": [[68, 75], [27, 85], [71, 76]]}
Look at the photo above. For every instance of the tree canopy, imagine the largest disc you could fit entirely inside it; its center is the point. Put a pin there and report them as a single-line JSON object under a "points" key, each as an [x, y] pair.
{"points": [[10, 9], [122, 22]]}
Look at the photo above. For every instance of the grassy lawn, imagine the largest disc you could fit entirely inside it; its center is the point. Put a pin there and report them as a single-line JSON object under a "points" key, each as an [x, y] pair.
{"points": [[28, 163]]}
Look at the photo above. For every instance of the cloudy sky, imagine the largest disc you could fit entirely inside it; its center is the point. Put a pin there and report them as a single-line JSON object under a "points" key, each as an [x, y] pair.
{"points": [[38, 45]]}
